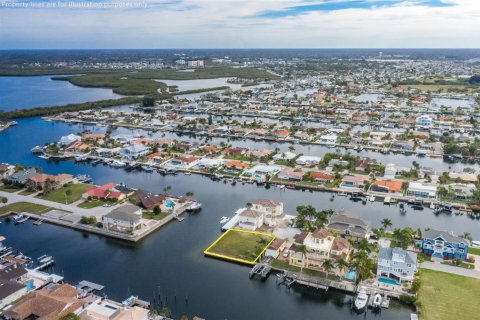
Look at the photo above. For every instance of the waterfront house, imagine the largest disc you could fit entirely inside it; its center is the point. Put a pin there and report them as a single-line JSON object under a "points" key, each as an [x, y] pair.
{"points": [[329, 139], [21, 177], [104, 309], [39, 180], [284, 156], [12, 283], [290, 174], [67, 140], [250, 219], [275, 248], [134, 151], [6, 170], [235, 166], [444, 245], [403, 145], [396, 264], [356, 182], [51, 302], [462, 191], [386, 186], [317, 249], [183, 162], [126, 218], [148, 200], [349, 226], [77, 147], [322, 177], [272, 210], [422, 190], [106, 191]]}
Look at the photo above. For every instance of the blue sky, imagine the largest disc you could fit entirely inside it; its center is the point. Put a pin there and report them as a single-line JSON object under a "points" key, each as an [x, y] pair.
{"points": [[239, 24]]}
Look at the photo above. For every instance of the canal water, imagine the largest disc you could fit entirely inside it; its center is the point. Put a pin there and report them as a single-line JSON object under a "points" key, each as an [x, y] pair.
{"points": [[169, 265], [42, 91]]}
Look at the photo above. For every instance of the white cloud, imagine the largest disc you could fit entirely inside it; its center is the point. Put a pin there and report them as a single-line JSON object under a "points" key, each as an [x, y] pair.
{"points": [[232, 24]]}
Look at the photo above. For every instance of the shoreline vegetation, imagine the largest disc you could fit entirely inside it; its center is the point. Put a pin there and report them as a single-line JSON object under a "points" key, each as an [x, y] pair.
{"points": [[45, 111]]}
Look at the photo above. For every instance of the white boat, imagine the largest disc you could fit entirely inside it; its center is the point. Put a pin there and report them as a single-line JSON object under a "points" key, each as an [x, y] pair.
{"points": [[147, 168], [37, 149], [372, 198], [282, 186], [343, 194], [194, 206], [361, 299], [224, 220], [187, 173], [44, 156], [118, 163], [377, 300]]}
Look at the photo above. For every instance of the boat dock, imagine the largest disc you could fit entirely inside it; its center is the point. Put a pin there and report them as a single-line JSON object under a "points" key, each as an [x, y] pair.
{"points": [[261, 269], [290, 278], [385, 300], [89, 287]]}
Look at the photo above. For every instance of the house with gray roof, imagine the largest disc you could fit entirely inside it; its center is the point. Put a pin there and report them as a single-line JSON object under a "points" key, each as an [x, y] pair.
{"points": [[21, 177], [444, 245], [396, 264], [125, 218], [346, 224]]}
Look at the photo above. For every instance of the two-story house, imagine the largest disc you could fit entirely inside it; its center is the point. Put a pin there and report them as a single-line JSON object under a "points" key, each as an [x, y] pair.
{"points": [[349, 226], [444, 245], [317, 247], [396, 264], [127, 218]]}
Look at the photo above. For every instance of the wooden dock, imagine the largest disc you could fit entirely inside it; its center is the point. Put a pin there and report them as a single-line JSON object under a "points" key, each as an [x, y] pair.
{"points": [[290, 278]]}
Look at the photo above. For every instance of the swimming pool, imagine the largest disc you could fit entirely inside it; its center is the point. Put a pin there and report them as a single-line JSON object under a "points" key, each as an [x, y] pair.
{"points": [[388, 281], [29, 285], [350, 275], [169, 203]]}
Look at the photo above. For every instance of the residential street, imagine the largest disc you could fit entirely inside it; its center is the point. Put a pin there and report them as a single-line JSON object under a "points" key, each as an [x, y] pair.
{"points": [[97, 211], [450, 269]]}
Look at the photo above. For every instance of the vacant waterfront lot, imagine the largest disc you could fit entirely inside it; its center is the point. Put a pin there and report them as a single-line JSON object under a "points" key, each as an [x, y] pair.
{"points": [[446, 296], [60, 195], [19, 207], [240, 246]]}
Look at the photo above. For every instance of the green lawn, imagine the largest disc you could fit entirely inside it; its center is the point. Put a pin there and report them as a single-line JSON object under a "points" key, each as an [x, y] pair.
{"points": [[59, 195], [238, 245], [23, 207], [446, 296], [284, 265], [151, 216], [27, 193], [94, 204], [9, 189], [475, 251]]}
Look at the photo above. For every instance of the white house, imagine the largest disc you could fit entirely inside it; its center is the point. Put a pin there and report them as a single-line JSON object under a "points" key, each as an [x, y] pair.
{"points": [[308, 160], [421, 190], [126, 218], [250, 219], [390, 171], [284, 156], [272, 210], [134, 151], [396, 264], [71, 138], [329, 139], [424, 121]]}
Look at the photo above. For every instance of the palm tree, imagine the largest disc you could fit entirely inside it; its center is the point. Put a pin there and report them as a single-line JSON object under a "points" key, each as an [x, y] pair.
{"points": [[328, 265], [189, 194], [303, 250], [386, 223], [68, 193], [341, 264], [467, 235]]}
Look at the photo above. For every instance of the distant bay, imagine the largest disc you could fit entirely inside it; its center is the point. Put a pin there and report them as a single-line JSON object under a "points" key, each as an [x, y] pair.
{"points": [[42, 91]]}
